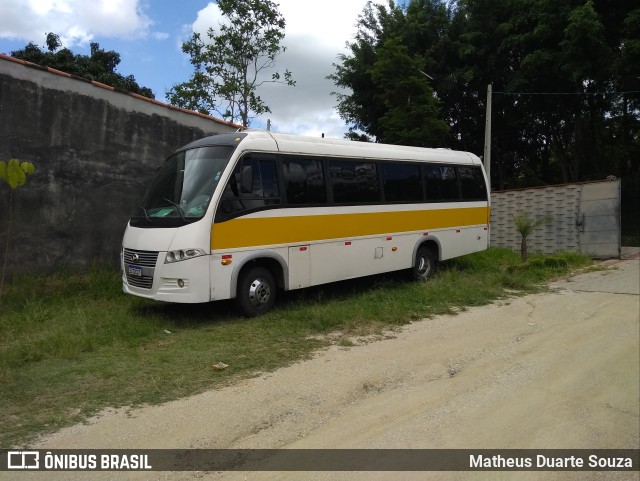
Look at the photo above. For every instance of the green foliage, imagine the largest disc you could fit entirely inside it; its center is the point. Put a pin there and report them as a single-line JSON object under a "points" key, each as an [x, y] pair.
{"points": [[412, 114], [525, 225], [553, 262], [585, 53], [530, 51], [362, 106], [15, 172], [229, 66], [100, 65]]}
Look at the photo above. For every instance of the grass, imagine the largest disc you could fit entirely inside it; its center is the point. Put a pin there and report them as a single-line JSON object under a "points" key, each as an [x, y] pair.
{"points": [[73, 344]]}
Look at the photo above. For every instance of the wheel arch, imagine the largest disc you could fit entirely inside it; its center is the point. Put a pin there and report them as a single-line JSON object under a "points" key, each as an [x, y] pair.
{"points": [[430, 242], [272, 261]]}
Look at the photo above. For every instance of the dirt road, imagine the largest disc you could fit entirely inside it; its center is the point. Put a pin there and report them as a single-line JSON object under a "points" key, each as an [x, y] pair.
{"points": [[552, 370]]}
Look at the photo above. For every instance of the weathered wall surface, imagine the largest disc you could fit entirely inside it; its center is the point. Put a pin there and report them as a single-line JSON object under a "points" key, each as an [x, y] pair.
{"points": [[585, 217], [94, 150]]}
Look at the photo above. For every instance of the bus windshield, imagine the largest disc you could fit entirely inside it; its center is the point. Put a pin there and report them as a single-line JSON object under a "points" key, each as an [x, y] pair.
{"points": [[182, 188]]}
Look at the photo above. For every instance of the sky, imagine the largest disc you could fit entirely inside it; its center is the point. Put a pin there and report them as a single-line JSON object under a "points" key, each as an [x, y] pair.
{"points": [[148, 35]]}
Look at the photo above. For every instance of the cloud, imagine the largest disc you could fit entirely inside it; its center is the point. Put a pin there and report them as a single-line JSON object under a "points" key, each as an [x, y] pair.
{"points": [[331, 22], [309, 106], [208, 17], [316, 32], [75, 21]]}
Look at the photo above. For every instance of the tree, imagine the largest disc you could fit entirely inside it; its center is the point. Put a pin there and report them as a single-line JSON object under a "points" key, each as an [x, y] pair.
{"points": [[412, 114], [389, 96], [557, 109], [100, 65], [14, 173], [360, 106], [230, 65], [556, 66]]}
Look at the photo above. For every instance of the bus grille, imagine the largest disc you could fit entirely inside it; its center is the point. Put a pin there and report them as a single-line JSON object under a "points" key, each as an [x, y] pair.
{"points": [[144, 259]]}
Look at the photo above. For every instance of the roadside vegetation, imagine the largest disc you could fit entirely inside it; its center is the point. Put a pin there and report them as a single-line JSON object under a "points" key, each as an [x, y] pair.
{"points": [[73, 344]]}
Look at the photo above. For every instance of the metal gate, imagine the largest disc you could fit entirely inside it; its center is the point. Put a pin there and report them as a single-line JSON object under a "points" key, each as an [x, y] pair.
{"points": [[599, 219]]}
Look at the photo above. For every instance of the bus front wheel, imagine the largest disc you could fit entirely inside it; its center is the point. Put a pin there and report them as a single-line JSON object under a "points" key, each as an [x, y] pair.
{"points": [[425, 264], [256, 292]]}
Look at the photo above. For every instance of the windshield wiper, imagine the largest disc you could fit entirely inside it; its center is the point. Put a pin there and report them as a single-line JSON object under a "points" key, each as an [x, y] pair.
{"points": [[178, 208], [146, 214]]}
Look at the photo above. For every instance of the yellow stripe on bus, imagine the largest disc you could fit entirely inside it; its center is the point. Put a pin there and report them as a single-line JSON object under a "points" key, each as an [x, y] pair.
{"points": [[258, 231]]}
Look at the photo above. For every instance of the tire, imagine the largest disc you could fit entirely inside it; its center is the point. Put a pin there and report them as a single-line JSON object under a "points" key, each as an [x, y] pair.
{"points": [[256, 292], [425, 265]]}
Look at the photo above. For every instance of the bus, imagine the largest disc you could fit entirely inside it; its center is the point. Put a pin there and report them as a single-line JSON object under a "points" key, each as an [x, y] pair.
{"points": [[244, 215]]}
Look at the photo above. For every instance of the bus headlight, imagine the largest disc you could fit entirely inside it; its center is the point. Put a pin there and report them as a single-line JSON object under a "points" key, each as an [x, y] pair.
{"points": [[183, 255]]}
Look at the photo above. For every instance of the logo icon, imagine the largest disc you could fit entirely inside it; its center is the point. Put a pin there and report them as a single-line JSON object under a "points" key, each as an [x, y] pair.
{"points": [[135, 258], [23, 460]]}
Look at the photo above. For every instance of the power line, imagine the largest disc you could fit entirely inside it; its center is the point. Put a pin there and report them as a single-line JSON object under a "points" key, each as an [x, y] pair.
{"points": [[568, 93]]}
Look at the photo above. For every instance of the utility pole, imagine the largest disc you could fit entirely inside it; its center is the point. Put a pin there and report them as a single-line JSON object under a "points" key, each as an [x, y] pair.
{"points": [[487, 137]]}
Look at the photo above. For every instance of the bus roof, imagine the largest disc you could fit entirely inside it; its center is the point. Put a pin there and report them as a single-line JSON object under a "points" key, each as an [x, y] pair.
{"points": [[261, 140]]}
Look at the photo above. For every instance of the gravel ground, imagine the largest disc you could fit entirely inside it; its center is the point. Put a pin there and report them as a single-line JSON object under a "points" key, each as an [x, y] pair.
{"points": [[552, 370]]}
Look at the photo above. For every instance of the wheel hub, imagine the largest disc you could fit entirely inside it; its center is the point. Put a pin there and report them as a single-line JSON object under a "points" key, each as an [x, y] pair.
{"points": [[259, 292], [422, 265]]}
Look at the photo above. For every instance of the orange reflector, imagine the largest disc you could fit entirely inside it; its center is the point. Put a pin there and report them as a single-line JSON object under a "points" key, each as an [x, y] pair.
{"points": [[225, 262], [394, 248]]}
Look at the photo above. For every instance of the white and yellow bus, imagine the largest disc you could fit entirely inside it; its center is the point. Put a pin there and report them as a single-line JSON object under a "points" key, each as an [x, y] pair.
{"points": [[239, 216]]}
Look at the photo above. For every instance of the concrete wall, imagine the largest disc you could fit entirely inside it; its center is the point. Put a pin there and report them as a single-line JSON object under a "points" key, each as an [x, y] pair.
{"points": [[94, 150], [585, 217]]}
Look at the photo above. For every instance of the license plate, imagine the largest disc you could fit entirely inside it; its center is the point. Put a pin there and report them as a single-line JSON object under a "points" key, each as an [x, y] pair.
{"points": [[134, 271]]}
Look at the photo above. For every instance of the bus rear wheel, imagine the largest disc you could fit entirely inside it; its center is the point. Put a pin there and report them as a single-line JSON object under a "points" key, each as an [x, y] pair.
{"points": [[256, 292], [425, 265]]}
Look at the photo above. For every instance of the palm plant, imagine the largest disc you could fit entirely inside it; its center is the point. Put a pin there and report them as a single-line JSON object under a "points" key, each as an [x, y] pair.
{"points": [[525, 225]]}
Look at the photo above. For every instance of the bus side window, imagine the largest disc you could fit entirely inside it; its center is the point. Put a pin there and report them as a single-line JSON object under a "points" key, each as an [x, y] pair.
{"points": [[304, 181], [253, 185], [354, 181], [441, 183], [401, 182], [472, 183], [246, 179], [266, 175]]}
